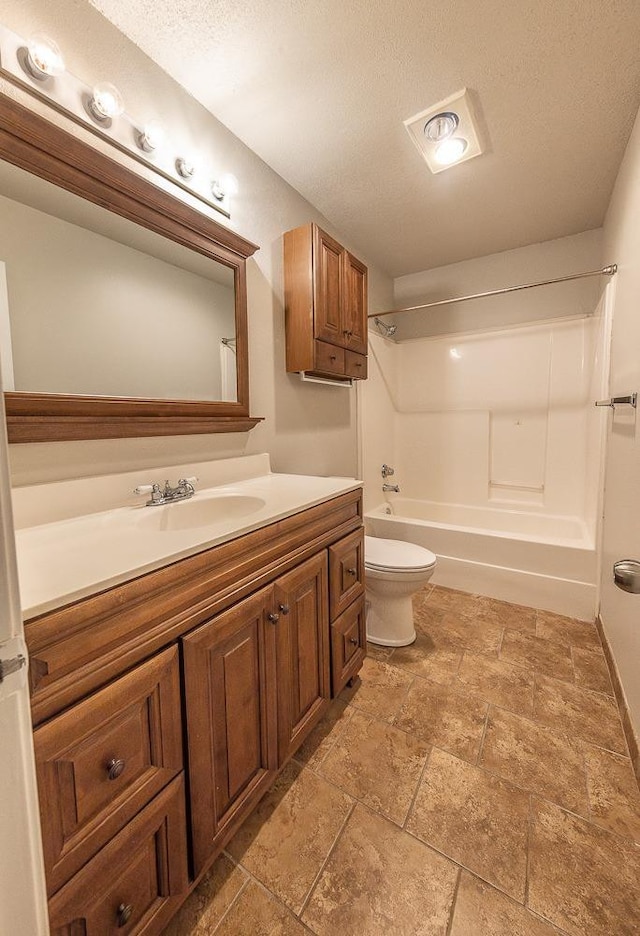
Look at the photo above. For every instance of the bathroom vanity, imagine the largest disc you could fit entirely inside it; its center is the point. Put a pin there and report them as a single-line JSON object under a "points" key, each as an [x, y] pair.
{"points": [[167, 698]]}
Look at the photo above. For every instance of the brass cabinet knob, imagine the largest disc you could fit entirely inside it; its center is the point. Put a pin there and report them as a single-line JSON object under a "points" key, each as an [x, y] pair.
{"points": [[284, 608], [354, 641], [124, 912], [115, 768], [353, 572], [273, 617], [332, 357]]}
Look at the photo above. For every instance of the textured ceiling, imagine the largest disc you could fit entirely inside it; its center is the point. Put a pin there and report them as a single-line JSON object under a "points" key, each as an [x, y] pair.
{"points": [[320, 90]]}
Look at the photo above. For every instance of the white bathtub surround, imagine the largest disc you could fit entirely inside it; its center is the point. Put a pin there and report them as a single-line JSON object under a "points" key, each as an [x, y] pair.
{"points": [[531, 559], [75, 538]]}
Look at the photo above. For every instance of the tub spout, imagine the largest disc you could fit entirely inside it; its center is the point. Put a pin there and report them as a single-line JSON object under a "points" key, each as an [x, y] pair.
{"points": [[387, 488]]}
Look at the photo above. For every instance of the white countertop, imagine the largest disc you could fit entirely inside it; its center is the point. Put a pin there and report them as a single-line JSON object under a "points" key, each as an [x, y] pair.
{"points": [[68, 559]]}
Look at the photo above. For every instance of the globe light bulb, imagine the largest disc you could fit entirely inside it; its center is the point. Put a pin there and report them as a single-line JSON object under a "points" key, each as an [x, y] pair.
{"points": [[152, 136], [44, 58], [106, 102]]}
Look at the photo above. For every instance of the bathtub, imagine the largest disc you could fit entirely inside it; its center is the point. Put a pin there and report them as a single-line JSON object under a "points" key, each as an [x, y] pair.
{"points": [[544, 561]]}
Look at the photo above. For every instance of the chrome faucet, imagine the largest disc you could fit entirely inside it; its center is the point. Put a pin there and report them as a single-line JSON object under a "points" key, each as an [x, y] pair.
{"points": [[167, 495], [387, 472], [387, 488]]}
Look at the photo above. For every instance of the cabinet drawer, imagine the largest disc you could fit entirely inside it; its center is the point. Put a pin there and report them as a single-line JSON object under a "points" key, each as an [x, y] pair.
{"points": [[136, 882], [329, 359], [348, 645], [355, 365], [101, 761], [346, 572]]}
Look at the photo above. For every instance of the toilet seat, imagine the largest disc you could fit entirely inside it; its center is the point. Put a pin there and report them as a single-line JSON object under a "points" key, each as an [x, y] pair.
{"points": [[383, 555]]}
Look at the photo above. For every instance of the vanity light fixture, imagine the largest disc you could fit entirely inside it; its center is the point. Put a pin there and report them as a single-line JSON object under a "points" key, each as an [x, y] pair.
{"points": [[446, 134], [151, 137], [106, 102], [37, 66], [43, 58]]}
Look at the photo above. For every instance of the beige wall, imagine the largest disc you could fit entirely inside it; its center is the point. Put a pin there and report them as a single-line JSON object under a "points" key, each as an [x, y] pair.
{"points": [[306, 428], [543, 261], [621, 611]]}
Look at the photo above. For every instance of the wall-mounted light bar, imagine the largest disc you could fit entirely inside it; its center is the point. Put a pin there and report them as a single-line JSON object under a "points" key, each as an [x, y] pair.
{"points": [[37, 65]]}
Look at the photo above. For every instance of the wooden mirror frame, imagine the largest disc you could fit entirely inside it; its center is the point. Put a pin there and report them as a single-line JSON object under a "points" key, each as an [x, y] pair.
{"points": [[32, 143]]}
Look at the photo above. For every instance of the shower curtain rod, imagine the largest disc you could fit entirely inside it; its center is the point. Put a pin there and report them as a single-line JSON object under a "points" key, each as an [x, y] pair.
{"points": [[605, 271]]}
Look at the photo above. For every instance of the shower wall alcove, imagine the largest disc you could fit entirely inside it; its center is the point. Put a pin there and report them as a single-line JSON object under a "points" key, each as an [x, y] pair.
{"points": [[486, 413]]}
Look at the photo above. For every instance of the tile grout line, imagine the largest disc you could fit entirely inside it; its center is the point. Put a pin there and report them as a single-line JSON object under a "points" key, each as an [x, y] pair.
{"points": [[316, 880], [245, 884], [527, 869], [454, 902], [484, 734], [417, 789]]}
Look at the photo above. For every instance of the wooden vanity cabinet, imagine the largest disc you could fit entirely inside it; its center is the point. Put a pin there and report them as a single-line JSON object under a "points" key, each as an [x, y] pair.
{"points": [[325, 306], [205, 675]]}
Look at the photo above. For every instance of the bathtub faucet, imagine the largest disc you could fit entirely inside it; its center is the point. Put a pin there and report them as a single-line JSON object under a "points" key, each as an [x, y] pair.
{"points": [[387, 488]]}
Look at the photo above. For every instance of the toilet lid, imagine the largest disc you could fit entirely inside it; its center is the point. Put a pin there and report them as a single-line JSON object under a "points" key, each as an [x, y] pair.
{"points": [[394, 554]]}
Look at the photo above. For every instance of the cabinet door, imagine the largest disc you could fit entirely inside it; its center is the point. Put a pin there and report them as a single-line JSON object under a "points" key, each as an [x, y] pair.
{"points": [[136, 882], [105, 758], [303, 652], [355, 307], [229, 669], [328, 288]]}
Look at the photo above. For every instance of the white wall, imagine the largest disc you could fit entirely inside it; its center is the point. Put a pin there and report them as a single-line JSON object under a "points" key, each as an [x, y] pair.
{"points": [[620, 611], [306, 428]]}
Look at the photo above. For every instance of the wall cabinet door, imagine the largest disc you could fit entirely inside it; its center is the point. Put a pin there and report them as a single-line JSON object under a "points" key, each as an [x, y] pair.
{"points": [[229, 666], [328, 288], [354, 307], [303, 663]]}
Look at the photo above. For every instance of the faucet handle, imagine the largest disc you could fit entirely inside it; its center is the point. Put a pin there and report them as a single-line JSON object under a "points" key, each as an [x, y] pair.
{"points": [[387, 471], [190, 481], [144, 489]]}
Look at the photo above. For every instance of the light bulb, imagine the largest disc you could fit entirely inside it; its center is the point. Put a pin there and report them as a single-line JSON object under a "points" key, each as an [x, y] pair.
{"points": [[151, 137], [186, 167], [106, 102], [44, 58], [441, 126], [450, 151]]}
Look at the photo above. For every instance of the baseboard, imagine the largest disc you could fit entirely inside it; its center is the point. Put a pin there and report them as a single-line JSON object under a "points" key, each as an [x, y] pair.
{"points": [[627, 725], [564, 596]]}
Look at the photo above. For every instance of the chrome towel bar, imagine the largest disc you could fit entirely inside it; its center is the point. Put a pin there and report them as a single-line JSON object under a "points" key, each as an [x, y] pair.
{"points": [[631, 400]]}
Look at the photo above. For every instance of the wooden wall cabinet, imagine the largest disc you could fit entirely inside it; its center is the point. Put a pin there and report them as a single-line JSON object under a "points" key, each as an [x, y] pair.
{"points": [[325, 291], [267, 628]]}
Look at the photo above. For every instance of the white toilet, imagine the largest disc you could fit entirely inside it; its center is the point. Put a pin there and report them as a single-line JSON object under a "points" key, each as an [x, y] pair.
{"points": [[394, 572]]}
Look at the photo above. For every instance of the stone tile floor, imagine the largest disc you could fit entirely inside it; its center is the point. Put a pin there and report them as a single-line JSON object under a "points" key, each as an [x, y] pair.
{"points": [[476, 783]]}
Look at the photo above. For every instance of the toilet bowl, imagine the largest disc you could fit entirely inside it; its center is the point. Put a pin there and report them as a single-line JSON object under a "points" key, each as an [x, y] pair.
{"points": [[394, 572]]}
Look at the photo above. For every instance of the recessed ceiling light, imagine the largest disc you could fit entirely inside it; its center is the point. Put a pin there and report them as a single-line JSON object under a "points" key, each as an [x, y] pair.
{"points": [[441, 126], [450, 151], [446, 133]]}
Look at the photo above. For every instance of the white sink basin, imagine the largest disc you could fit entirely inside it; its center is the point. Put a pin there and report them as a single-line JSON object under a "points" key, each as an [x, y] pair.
{"points": [[198, 512]]}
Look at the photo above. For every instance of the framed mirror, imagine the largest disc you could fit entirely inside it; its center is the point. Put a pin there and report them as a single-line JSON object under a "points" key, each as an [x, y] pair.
{"points": [[122, 309]]}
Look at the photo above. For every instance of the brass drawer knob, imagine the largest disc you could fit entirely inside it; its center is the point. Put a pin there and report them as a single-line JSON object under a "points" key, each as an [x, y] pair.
{"points": [[123, 914], [353, 572], [284, 608], [273, 617], [354, 641], [115, 768]]}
